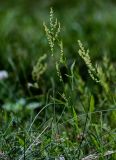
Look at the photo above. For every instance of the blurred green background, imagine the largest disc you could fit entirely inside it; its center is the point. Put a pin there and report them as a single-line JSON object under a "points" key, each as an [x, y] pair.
{"points": [[22, 36]]}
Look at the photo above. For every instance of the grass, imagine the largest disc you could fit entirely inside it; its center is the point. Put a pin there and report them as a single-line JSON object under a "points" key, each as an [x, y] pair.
{"points": [[59, 100]]}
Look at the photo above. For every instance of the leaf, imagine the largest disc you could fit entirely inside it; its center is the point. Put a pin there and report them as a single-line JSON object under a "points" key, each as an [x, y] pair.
{"points": [[75, 120], [72, 67], [92, 104], [21, 141]]}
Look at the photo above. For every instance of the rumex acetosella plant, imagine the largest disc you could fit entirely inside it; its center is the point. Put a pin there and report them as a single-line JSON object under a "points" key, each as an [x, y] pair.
{"points": [[39, 68], [95, 72], [54, 40], [56, 45], [52, 33], [75, 98]]}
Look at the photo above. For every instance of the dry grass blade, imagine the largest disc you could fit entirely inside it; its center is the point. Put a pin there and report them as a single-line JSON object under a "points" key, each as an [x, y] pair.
{"points": [[96, 156], [35, 142]]}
